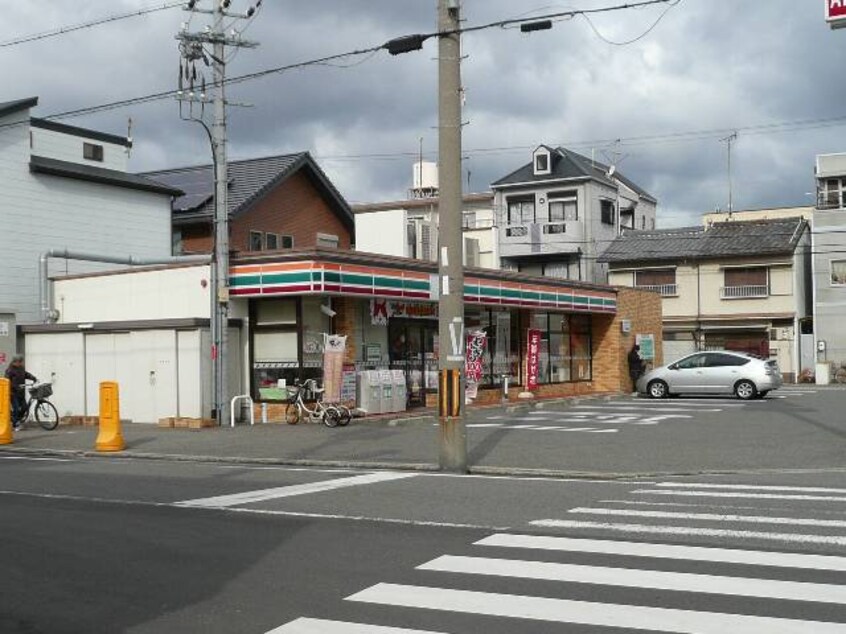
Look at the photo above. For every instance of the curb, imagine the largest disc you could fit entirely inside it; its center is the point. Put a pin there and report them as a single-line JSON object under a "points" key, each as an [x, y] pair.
{"points": [[526, 472]]}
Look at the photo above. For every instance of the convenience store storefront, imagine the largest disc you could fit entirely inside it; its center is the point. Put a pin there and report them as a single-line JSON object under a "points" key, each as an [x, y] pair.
{"points": [[387, 309]]}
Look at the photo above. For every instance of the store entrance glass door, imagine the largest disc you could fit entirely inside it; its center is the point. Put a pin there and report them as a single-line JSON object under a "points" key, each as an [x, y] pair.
{"points": [[412, 349]]}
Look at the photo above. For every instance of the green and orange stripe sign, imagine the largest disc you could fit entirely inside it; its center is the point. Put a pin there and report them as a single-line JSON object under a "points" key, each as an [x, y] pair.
{"points": [[312, 277]]}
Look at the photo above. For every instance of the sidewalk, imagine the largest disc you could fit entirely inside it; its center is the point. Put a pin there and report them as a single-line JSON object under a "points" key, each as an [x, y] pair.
{"points": [[405, 440]]}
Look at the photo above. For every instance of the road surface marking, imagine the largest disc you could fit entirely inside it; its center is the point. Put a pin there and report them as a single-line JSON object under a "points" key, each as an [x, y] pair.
{"points": [[633, 578], [585, 612], [667, 551], [733, 494], [321, 626], [748, 487], [702, 532], [712, 517], [261, 495], [36, 459], [642, 409]]}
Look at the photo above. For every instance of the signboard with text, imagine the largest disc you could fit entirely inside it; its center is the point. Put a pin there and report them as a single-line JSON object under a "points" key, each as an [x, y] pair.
{"points": [[533, 341], [835, 13]]}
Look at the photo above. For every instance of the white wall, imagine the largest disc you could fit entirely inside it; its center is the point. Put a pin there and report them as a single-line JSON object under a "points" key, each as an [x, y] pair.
{"points": [[382, 232], [146, 294], [160, 373], [69, 147], [42, 212]]}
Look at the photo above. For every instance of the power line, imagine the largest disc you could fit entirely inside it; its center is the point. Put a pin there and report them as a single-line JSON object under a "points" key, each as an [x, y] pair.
{"points": [[86, 25]]}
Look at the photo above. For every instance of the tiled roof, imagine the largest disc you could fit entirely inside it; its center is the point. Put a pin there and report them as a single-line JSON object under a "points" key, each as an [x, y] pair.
{"points": [[249, 180], [723, 239], [567, 164]]}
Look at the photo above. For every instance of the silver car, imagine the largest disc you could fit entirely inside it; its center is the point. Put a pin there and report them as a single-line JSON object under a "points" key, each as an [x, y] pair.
{"points": [[717, 372]]}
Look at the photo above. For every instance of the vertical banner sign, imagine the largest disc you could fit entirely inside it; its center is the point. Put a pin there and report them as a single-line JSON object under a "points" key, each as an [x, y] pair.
{"points": [[474, 355], [333, 366], [533, 340], [835, 13]]}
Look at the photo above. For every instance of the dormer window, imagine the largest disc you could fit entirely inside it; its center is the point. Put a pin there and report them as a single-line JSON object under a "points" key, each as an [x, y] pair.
{"points": [[542, 162]]}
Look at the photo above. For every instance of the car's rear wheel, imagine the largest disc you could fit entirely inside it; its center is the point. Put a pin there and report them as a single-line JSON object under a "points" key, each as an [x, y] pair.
{"points": [[745, 390], [657, 389]]}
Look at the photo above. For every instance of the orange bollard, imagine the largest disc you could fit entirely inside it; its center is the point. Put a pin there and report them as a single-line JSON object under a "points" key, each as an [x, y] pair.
{"points": [[6, 437], [109, 438]]}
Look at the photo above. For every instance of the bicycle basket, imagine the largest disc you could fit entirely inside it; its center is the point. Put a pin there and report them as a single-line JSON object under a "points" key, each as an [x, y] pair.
{"points": [[42, 390]]}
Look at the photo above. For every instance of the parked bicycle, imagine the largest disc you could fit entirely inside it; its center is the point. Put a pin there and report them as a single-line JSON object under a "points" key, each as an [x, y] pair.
{"points": [[297, 409], [39, 407]]}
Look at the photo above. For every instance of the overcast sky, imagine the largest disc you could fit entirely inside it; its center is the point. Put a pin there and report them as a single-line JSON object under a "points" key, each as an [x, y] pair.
{"points": [[768, 69]]}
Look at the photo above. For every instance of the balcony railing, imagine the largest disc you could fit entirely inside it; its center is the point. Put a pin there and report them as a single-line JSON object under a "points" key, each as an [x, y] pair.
{"points": [[665, 290], [745, 292]]}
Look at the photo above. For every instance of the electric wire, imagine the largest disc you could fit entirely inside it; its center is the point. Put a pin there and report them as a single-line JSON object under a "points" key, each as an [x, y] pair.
{"points": [[86, 25]]}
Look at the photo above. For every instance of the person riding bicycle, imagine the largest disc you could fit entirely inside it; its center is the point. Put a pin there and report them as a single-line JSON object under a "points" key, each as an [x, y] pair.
{"points": [[18, 376]]}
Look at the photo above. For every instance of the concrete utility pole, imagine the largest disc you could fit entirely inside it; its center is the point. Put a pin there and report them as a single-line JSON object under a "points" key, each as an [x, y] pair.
{"points": [[192, 48], [453, 434]]}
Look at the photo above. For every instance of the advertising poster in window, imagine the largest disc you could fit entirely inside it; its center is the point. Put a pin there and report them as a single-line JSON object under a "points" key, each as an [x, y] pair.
{"points": [[477, 342], [333, 366], [533, 341]]}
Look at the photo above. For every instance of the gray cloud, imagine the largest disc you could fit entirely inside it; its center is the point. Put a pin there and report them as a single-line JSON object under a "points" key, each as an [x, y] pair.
{"points": [[709, 65]]}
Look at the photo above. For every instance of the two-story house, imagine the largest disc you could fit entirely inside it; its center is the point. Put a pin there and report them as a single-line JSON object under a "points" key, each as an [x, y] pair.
{"points": [[275, 203], [730, 285], [66, 188], [556, 214], [829, 247]]}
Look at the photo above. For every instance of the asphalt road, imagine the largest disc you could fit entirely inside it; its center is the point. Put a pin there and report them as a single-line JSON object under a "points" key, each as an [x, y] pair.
{"points": [[121, 545]]}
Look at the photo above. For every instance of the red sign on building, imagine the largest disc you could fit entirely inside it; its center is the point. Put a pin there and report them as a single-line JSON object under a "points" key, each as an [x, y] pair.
{"points": [[533, 341], [835, 13]]}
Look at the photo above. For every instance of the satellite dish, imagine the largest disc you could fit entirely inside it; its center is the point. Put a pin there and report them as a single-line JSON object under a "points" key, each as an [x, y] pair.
{"points": [[611, 170]]}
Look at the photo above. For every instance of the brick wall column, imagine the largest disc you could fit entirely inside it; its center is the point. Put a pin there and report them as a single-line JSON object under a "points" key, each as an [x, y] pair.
{"points": [[345, 324], [611, 345]]}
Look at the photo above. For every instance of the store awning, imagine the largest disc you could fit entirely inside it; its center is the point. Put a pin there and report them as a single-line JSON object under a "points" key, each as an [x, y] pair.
{"points": [[381, 278]]}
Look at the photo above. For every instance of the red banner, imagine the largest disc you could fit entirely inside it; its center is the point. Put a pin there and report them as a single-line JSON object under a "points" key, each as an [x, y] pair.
{"points": [[533, 341], [475, 352]]}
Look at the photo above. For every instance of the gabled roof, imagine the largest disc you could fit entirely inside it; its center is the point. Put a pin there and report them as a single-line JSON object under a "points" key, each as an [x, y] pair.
{"points": [[249, 181], [10, 107], [567, 164], [720, 240], [92, 173]]}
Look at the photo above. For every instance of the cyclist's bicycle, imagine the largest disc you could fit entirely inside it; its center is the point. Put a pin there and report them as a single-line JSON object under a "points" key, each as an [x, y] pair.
{"points": [[38, 407], [297, 409]]}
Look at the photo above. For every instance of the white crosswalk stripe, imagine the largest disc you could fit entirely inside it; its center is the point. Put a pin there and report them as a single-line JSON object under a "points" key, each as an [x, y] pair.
{"points": [[623, 413], [674, 573]]}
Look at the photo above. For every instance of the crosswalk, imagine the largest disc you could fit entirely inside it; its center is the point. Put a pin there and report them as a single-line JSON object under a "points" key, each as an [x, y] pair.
{"points": [[610, 417], [688, 576]]}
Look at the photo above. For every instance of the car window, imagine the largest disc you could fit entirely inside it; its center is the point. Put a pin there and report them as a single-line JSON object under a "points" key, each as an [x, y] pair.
{"points": [[718, 359], [693, 361]]}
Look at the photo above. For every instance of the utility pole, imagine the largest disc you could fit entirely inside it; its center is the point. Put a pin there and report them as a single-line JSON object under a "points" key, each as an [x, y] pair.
{"points": [[193, 48], [452, 430], [728, 141]]}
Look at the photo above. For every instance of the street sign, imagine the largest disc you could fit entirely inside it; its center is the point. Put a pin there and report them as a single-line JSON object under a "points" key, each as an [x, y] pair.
{"points": [[835, 13]]}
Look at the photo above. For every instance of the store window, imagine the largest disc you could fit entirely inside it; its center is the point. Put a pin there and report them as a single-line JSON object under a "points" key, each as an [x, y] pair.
{"points": [[838, 272], [275, 346], [565, 353]]}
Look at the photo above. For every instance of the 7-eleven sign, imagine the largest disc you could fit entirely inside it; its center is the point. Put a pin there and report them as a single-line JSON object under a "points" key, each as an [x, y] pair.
{"points": [[835, 13]]}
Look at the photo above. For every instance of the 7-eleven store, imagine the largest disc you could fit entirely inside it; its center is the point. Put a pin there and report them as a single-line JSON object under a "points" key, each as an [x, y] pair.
{"points": [[387, 308], [148, 329]]}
